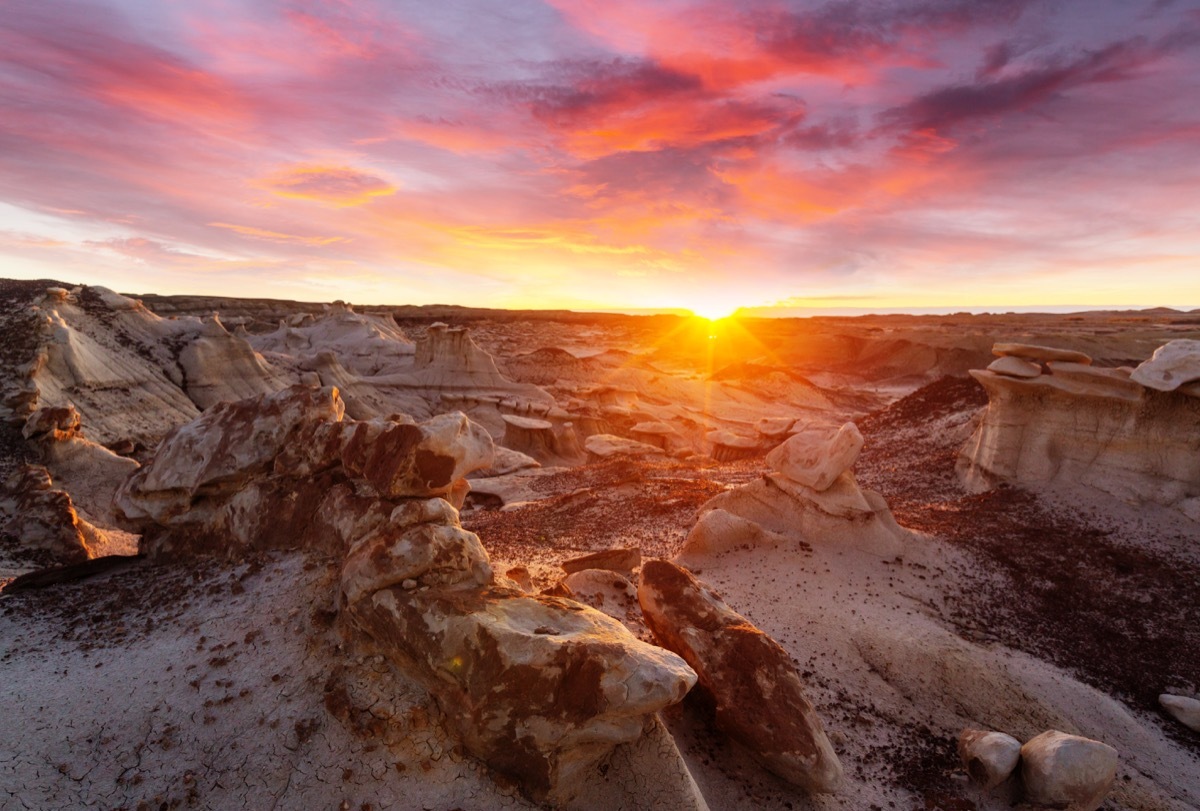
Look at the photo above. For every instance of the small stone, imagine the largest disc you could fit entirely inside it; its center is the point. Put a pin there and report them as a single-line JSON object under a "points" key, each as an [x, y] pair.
{"points": [[408, 584], [1183, 709], [989, 757]]}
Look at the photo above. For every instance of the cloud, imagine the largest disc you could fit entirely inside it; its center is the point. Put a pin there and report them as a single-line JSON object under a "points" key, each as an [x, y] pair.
{"points": [[276, 236], [334, 185]]}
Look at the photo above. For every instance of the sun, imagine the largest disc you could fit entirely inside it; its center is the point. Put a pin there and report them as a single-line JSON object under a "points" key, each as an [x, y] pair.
{"points": [[714, 311]]}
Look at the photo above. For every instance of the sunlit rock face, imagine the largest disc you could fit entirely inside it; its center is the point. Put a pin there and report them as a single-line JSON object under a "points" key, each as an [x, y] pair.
{"points": [[41, 519], [221, 367], [1078, 425], [540, 688]]}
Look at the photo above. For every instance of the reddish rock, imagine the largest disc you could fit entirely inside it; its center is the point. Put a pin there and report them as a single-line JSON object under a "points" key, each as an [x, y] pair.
{"points": [[757, 695], [623, 560]]}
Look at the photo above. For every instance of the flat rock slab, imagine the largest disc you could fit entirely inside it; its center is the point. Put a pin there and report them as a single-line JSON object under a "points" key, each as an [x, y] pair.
{"points": [[623, 560], [1040, 353], [1014, 367], [757, 695]]}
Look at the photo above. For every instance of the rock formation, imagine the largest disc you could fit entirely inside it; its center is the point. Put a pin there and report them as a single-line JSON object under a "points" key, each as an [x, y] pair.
{"points": [[1080, 425], [540, 440], [602, 446], [41, 520], [1174, 364], [364, 344], [756, 693], [220, 367], [832, 508], [1067, 771], [1183, 709], [538, 687]]}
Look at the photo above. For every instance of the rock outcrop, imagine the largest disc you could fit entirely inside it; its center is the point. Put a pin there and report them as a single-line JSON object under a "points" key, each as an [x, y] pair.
{"points": [[364, 344], [756, 693], [832, 508], [990, 758], [540, 688], [40, 521], [1067, 771], [221, 367], [602, 446], [540, 440], [1098, 428]]}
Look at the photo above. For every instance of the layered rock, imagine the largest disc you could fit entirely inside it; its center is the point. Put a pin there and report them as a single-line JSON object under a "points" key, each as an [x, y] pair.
{"points": [[1096, 428], [832, 508], [540, 688], [757, 695], [221, 367], [540, 440], [1067, 771], [364, 344]]}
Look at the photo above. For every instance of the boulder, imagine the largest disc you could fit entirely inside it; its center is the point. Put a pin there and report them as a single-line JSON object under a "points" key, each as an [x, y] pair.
{"points": [[990, 758], [540, 440], [1035, 352], [815, 457], [1014, 367], [623, 560], [1183, 709], [1172, 365], [728, 446], [1067, 771], [606, 591], [540, 688], [756, 693]]}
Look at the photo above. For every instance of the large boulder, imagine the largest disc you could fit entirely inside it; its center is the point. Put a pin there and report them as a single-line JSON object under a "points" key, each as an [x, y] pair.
{"points": [[755, 691], [1172, 365], [1067, 771], [815, 457]]}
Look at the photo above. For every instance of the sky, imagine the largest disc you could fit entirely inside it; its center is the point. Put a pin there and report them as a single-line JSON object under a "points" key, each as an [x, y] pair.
{"points": [[607, 154]]}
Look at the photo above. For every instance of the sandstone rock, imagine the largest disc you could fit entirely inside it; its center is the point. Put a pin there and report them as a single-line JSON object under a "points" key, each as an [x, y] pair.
{"points": [[417, 460], [623, 560], [1183, 709], [1014, 367], [41, 520], [728, 446], [659, 434], [816, 457], [540, 440], [606, 591], [605, 445], [842, 514], [363, 343], [220, 367], [420, 541], [1067, 771], [1039, 353], [521, 576], [774, 428], [757, 695], [506, 461], [1092, 429], [990, 758], [57, 422], [539, 688], [720, 531], [1172, 365]]}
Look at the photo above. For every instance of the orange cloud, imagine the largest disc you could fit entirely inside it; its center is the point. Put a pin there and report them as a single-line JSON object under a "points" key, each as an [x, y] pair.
{"points": [[276, 236], [334, 185]]}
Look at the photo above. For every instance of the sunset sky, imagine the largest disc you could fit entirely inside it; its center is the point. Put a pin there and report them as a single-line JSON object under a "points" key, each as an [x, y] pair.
{"points": [[983, 154]]}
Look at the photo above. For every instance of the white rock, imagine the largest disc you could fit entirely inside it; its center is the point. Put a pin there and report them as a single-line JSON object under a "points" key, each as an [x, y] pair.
{"points": [[989, 757], [1172, 365], [1067, 771], [720, 531], [1014, 367], [605, 445], [815, 457], [1183, 709]]}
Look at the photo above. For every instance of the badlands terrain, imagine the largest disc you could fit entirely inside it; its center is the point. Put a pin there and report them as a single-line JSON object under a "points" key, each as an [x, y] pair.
{"points": [[265, 554]]}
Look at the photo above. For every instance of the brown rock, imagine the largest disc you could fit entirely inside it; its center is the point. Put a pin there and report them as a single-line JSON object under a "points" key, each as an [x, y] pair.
{"points": [[540, 688], [623, 560], [1067, 771], [757, 695], [1037, 352], [990, 758]]}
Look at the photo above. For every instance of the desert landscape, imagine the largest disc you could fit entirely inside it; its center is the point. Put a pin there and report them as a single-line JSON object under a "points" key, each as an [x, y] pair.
{"points": [[268, 554]]}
